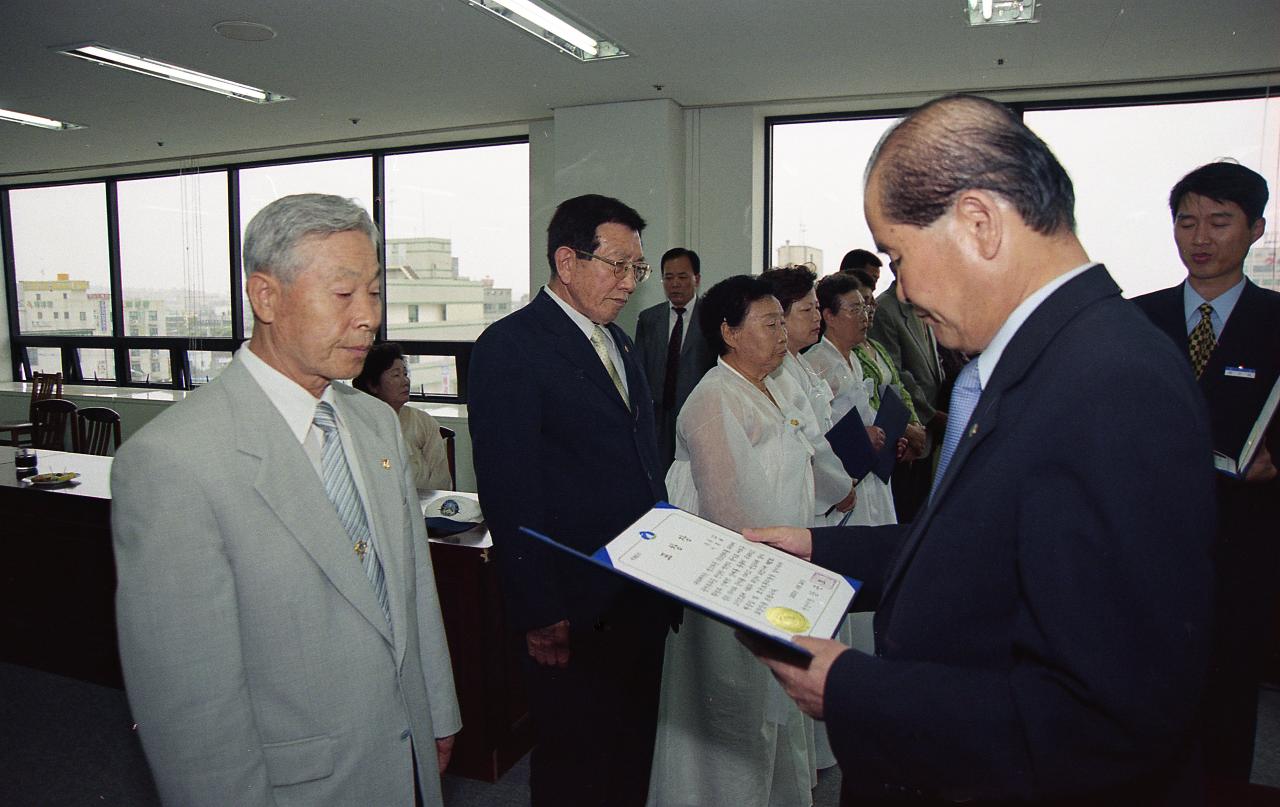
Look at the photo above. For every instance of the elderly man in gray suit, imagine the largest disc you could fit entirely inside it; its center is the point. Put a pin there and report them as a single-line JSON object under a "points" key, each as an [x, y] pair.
{"points": [[279, 626], [673, 352]]}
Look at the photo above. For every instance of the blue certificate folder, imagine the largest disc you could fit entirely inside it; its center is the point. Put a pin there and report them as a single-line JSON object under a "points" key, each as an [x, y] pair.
{"points": [[644, 537], [893, 417], [850, 442]]}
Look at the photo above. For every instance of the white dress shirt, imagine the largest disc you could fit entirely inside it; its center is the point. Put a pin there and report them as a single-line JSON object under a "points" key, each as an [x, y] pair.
{"points": [[588, 327], [298, 408]]}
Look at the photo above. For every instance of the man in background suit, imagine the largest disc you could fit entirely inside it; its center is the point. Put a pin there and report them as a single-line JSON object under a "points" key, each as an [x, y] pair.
{"points": [[911, 345], [672, 350], [1228, 329], [279, 626], [1042, 627], [563, 442]]}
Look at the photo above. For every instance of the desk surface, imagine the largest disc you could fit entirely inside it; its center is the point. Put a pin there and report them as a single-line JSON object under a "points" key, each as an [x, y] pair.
{"points": [[94, 480]]}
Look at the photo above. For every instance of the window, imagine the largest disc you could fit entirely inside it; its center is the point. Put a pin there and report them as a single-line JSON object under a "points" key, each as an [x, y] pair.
{"points": [[1123, 159], [96, 364], [175, 251], [48, 263], [816, 212], [172, 318], [1122, 190], [457, 237]]}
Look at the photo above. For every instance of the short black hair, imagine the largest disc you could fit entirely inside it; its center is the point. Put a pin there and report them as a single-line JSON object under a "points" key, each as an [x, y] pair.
{"points": [[858, 259], [681, 252], [376, 362], [728, 301], [789, 283], [965, 142], [1224, 182], [575, 221], [865, 281], [830, 288]]}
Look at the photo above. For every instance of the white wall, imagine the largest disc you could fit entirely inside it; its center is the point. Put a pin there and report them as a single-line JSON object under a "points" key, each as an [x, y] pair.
{"points": [[633, 151]]}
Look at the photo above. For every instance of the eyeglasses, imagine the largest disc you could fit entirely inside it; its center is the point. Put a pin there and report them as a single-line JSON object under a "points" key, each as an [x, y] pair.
{"points": [[640, 270], [856, 308]]}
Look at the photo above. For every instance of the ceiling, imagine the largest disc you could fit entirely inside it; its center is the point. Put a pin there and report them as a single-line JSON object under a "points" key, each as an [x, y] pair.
{"points": [[363, 71]]}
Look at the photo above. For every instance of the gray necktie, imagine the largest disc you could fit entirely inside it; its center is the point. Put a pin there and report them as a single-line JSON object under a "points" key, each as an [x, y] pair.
{"points": [[340, 487]]}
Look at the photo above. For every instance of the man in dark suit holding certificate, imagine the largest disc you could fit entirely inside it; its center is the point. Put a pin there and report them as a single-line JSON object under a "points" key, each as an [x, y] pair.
{"points": [[1228, 330], [1042, 626], [563, 440]]}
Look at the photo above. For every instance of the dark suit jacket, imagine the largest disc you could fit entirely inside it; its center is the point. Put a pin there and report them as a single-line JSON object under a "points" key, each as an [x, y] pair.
{"points": [[1042, 627], [1250, 339], [696, 358], [556, 449]]}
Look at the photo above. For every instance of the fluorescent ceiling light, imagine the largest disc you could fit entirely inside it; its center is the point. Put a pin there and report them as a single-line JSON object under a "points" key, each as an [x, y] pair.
{"points": [[112, 57], [1000, 12], [551, 28], [36, 120]]}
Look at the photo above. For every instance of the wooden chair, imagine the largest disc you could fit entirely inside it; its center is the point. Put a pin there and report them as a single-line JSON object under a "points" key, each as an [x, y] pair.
{"points": [[449, 437], [97, 430], [43, 387], [49, 426]]}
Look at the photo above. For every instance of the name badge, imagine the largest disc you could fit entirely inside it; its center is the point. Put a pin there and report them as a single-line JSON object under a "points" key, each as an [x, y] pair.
{"points": [[1240, 372]]}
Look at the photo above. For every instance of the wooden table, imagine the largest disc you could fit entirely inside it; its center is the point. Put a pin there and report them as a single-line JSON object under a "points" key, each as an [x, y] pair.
{"points": [[496, 730], [57, 585]]}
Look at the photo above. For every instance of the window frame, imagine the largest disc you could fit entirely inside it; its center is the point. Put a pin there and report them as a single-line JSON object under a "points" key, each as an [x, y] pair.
{"points": [[1021, 107], [180, 346]]}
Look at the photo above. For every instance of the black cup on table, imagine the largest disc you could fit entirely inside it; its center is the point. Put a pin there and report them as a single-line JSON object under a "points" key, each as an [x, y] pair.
{"points": [[24, 462]]}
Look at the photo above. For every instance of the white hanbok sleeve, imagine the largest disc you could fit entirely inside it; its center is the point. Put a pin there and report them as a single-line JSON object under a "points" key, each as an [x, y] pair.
{"points": [[748, 472]]}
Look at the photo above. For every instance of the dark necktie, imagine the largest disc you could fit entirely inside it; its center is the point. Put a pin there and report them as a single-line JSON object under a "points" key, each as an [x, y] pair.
{"points": [[673, 360], [1201, 341]]}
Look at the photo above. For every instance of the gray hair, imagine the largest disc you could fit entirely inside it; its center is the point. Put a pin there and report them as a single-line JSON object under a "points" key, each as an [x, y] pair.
{"points": [[274, 233]]}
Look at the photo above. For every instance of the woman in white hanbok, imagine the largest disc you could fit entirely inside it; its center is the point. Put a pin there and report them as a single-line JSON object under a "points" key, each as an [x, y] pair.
{"points": [[845, 324], [833, 488], [727, 734]]}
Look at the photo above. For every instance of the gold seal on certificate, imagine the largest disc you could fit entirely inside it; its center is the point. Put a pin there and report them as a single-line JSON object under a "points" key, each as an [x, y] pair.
{"points": [[788, 619]]}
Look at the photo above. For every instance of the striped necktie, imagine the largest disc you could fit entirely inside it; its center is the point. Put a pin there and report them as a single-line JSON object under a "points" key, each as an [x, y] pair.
{"points": [[964, 399], [1201, 341], [340, 487], [598, 338]]}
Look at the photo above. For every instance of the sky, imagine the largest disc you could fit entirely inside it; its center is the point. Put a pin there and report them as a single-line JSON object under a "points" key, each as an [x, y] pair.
{"points": [[175, 228], [1122, 162]]}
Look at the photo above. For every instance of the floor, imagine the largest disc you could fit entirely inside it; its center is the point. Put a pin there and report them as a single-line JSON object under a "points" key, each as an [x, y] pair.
{"points": [[67, 743]]}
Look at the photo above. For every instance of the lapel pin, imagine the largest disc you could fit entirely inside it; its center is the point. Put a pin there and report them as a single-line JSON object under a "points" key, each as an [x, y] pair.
{"points": [[386, 464], [795, 422], [973, 429]]}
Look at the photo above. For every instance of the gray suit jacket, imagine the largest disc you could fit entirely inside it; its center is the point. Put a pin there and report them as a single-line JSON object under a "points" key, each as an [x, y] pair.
{"points": [[906, 339], [259, 666], [696, 358]]}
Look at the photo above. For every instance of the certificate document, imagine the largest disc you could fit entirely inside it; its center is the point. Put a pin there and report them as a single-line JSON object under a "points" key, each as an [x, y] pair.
{"points": [[717, 571]]}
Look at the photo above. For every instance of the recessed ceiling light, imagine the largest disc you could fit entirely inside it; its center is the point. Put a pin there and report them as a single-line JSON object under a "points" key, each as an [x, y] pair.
{"points": [[242, 31], [112, 57], [1000, 12], [37, 120], [551, 27]]}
